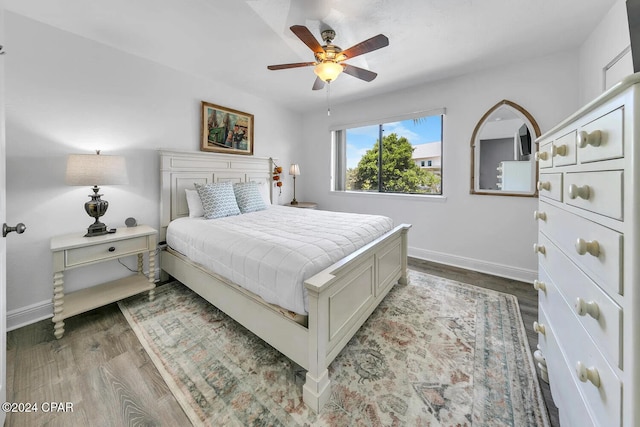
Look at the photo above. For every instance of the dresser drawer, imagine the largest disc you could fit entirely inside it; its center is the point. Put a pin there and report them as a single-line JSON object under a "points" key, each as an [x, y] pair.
{"points": [[603, 396], [571, 233], [601, 139], [102, 251], [550, 185], [599, 192], [544, 156], [563, 389], [564, 150], [600, 316]]}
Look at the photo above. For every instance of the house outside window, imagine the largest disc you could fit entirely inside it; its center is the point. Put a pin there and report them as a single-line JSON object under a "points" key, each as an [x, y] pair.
{"points": [[410, 151]]}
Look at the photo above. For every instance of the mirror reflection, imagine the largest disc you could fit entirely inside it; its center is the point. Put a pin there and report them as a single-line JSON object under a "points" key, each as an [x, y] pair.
{"points": [[503, 148]]}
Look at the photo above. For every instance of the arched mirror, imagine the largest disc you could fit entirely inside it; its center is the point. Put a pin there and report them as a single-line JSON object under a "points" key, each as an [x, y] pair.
{"points": [[502, 152]]}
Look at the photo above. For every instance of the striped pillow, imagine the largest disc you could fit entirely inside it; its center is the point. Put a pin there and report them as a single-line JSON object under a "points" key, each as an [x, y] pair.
{"points": [[248, 197], [218, 200]]}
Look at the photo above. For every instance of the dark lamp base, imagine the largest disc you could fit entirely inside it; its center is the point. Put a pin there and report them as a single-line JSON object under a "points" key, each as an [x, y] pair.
{"points": [[96, 229]]}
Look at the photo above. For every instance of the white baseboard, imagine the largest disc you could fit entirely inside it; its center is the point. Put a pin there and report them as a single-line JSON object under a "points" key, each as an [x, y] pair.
{"points": [[30, 314], [516, 273]]}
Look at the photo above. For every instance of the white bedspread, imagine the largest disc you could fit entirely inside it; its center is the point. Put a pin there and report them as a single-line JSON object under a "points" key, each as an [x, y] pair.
{"points": [[272, 252]]}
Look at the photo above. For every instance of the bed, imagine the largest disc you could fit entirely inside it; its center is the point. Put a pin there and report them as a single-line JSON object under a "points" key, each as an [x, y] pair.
{"points": [[338, 299]]}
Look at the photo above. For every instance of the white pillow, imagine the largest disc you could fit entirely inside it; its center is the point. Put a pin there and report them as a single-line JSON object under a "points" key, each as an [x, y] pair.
{"points": [[263, 187], [194, 203], [218, 200]]}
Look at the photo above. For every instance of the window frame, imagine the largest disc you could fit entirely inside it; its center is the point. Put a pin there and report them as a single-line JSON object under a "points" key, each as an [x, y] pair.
{"points": [[338, 135]]}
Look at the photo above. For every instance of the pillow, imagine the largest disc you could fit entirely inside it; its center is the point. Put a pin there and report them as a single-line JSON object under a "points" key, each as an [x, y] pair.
{"points": [[248, 197], [263, 186], [218, 200], [194, 203]]}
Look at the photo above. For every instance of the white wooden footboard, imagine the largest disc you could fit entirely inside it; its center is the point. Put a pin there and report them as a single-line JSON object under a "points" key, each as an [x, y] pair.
{"points": [[342, 297]]}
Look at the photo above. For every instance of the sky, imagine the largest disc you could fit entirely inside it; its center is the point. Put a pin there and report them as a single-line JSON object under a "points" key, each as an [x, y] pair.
{"points": [[361, 139]]}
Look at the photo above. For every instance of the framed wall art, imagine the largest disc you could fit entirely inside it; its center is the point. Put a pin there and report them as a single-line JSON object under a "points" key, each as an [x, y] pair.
{"points": [[225, 130]]}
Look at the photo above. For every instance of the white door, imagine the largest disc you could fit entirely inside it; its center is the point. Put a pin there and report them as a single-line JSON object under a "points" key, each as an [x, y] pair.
{"points": [[3, 246]]}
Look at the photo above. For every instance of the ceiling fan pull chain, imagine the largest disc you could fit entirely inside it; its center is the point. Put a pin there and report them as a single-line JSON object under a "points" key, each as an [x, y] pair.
{"points": [[328, 101]]}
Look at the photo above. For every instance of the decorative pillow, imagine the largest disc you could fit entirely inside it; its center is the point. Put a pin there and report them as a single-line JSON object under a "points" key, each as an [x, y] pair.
{"points": [[194, 203], [248, 197], [218, 200]]}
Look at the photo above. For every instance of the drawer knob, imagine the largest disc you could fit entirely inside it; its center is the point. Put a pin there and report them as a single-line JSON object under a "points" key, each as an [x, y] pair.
{"points": [[594, 138], [539, 248], [539, 328], [575, 191], [539, 215], [546, 185], [539, 285], [587, 307], [588, 374], [560, 150], [541, 155], [111, 249], [591, 247]]}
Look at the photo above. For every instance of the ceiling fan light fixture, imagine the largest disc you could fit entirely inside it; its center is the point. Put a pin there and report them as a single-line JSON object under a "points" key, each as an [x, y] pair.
{"points": [[328, 71]]}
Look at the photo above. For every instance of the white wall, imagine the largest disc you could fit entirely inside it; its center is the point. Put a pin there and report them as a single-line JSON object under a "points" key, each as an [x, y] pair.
{"points": [[608, 40], [486, 233], [66, 94]]}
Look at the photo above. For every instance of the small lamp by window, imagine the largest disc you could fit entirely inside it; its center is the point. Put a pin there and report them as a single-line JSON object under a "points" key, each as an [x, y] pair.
{"points": [[96, 169], [295, 171]]}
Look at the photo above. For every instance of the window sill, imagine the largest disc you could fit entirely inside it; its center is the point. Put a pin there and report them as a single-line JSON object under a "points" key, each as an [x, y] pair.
{"points": [[394, 196]]}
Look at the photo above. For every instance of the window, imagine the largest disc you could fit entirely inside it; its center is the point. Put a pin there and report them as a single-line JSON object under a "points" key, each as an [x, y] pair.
{"points": [[403, 148]]}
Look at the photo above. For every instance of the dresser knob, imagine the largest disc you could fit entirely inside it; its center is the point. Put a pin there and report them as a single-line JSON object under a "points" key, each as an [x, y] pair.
{"points": [[539, 215], [560, 150], [587, 307], [582, 192], [546, 185], [588, 374], [539, 248], [539, 285], [111, 249], [592, 247], [541, 155], [594, 138], [539, 328]]}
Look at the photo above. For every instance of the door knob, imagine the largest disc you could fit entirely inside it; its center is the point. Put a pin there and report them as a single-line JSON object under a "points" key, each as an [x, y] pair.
{"points": [[19, 228]]}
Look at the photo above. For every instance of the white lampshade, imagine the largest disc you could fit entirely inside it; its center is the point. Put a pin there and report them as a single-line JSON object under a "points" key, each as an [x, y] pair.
{"points": [[294, 170], [96, 169], [328, 70]]}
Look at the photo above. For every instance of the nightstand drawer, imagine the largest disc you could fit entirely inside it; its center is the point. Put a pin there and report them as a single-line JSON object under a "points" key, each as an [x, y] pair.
{"points": [[103, 251]]}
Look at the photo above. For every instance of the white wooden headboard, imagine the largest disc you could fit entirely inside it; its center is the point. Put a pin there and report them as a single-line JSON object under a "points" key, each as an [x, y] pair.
{"points": [[181, 169]]}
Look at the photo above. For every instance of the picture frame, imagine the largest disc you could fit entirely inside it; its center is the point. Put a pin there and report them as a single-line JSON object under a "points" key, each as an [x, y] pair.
{"points": [[225, 130]]}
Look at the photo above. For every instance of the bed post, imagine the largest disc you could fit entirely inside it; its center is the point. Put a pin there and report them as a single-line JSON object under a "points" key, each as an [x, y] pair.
{"points": [[317, 388], [404, 279]]}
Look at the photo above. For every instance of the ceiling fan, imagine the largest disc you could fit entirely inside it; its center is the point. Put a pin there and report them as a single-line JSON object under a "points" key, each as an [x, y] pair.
{"points": [[329, 58]]}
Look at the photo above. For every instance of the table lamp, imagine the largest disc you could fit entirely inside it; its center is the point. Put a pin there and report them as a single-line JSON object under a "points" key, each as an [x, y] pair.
{"points": [[295, 171], [96, 169]]}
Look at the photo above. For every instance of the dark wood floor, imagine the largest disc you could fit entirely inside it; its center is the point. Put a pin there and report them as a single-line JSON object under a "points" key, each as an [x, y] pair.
{"points": [[100, 367]]}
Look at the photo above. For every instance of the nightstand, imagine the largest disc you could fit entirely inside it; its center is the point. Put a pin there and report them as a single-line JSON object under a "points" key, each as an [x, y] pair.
{"points": [[304, 205], [74, 250]]}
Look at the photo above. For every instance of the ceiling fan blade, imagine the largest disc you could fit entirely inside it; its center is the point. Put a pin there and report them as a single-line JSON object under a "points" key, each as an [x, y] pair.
{"points": [[369, 45], [307, 38], [318, 84], [294, 65], [360, 73]]}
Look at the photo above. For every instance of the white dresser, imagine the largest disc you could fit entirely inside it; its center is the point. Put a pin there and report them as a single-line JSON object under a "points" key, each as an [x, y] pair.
{"points": [[589, 260]]}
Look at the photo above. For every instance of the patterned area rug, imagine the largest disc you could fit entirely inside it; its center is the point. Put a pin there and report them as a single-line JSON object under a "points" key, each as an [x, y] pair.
{"points": [[435, 352]]}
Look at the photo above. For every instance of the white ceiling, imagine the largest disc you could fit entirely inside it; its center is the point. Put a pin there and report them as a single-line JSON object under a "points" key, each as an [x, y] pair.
{"points": [[234, 40]]}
